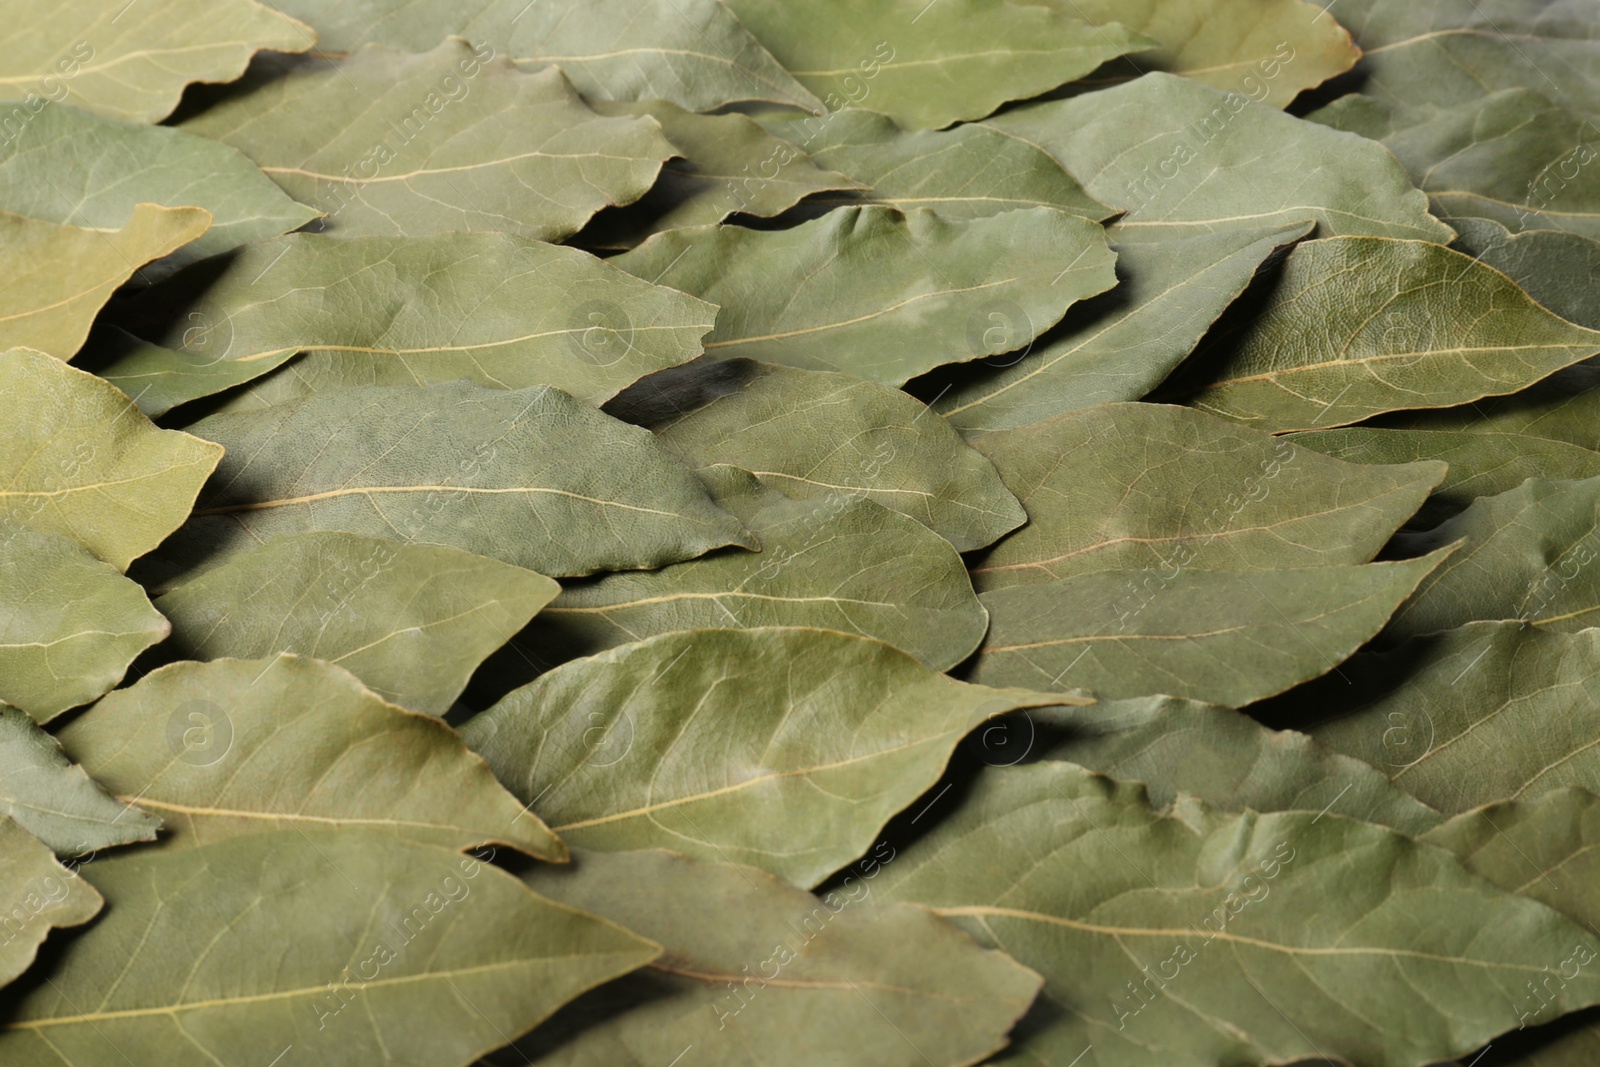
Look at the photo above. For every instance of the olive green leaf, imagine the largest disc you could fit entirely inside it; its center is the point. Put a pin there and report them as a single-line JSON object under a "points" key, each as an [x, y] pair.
{"points": [[1545, 849], [412, 621], [837, 563], [929, 66], [389, 143], [693, 53], [897, 986], [1552, 266], [1357, 326], [352, 946], [1527, 557], [1183, 158], [54, 800], [133, 63], [70, 167], [875, 291], [1336, 938], [815, 434], [968, 171], [1222, 756], [729, 165], [1125, 487], [1266, 51], [240, 747], [496, 309], [54, 279], [1122, 344], [159, 379], [86, 464], [69, 624], [37, 894], [1225, 637], [1484, 712], [528, 476], [735, 744]]}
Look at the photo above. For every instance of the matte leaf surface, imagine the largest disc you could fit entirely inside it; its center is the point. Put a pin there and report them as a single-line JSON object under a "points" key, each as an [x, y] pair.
{"points": [[412, 621], [877, 974], [160, 379], [1225, 637], [240, 747], [1126, 487], [1552, 266], [715, 742], [395, 952], [395, 144], [510, 474], [820, 435], [496, 309], [875, 287], [1333, 937], [54, 800], [37, 894]]}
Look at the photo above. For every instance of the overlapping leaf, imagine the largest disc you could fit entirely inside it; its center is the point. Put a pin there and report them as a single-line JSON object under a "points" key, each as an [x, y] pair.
{"points": [[877, 974], [693, 53], [242, 747], [1129, 487], [876, 288], [843, 563], [36, 895], [528, 476], [496, 309], [160, 379], [1333, 937], [1225, 637], [815, 434], [54, 279], [70, 167], [54, 800], [412, 621], [1551, 266], [402, 952], [132, 63], [731, 745], [389, 143]]}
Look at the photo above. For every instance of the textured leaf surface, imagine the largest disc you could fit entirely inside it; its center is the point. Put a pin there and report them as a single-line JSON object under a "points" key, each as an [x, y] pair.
{"points": [[54, 800], [1121, 345], [389, 143], [1485, 712], [403, 953], [132, 63], [815, 434], [412, 621], [1126, 487], [966, 172], [1222, 756], [1184, 158], [70, 167], [715, 742], [54, 279], [693, 53], [36, 895], [499, 310], [874, 288], [242, 747], [927, 67], [1333, 937], [159, 379], [878, 975], [1358, 326], [1553, 267], [510, 474], [87, 465], [1527, 556], [1225, 637], [69, 624], [1267, 51], [844, 563]]}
